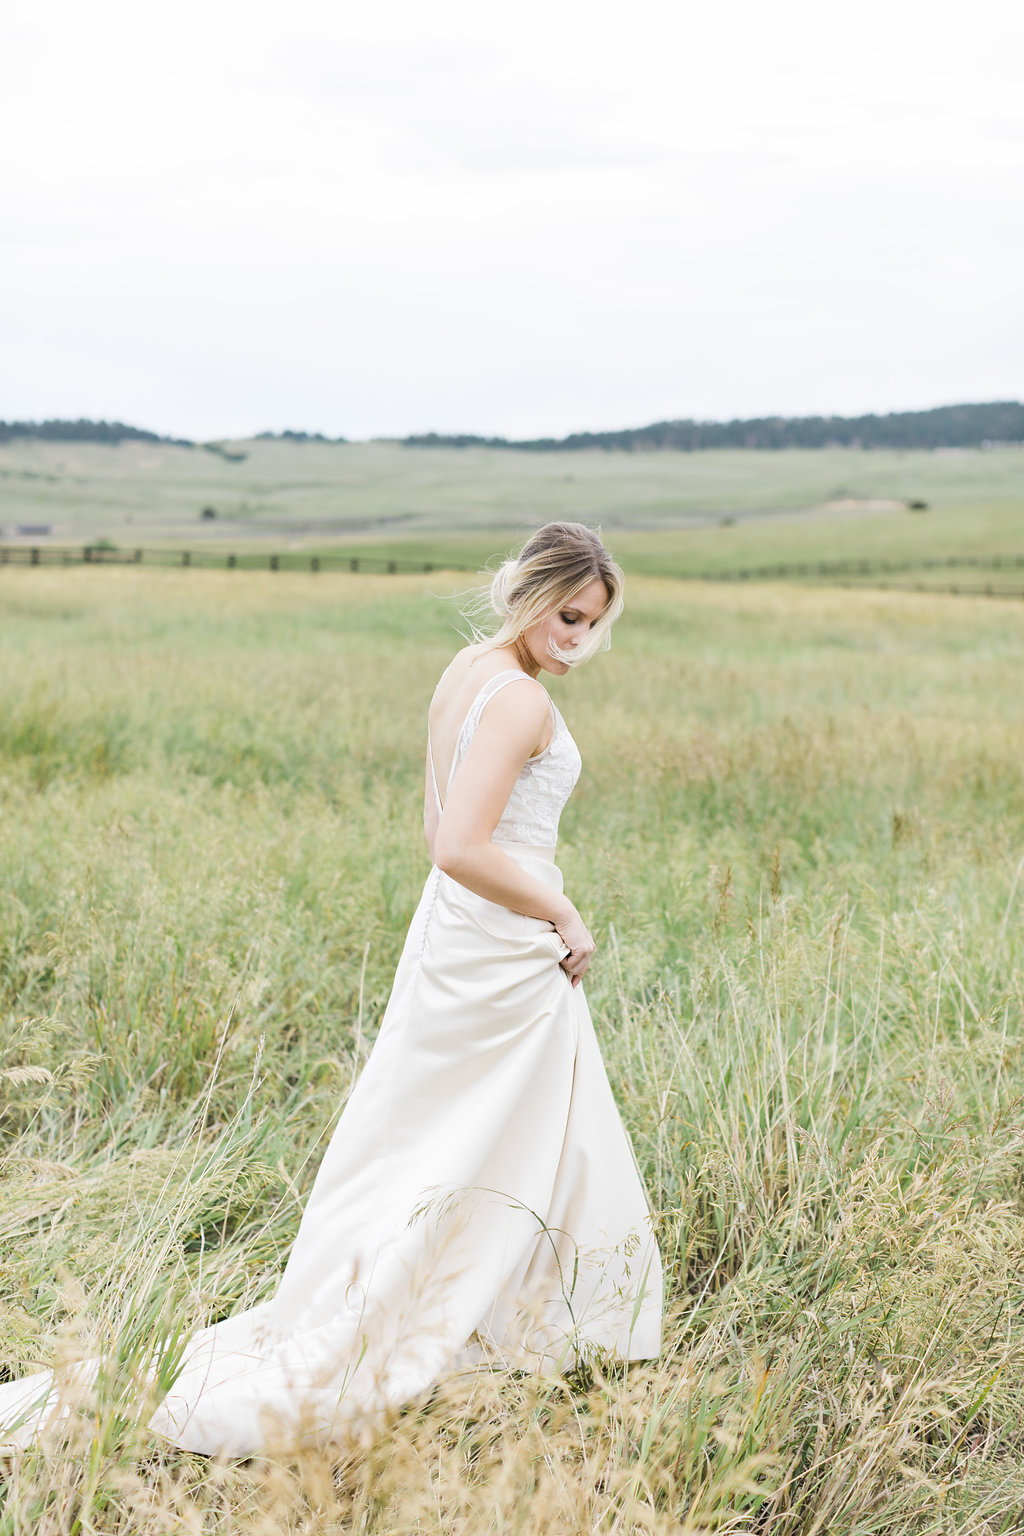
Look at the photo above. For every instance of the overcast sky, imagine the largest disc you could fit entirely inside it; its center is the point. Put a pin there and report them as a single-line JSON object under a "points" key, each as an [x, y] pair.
{"points": [[397, 216]]}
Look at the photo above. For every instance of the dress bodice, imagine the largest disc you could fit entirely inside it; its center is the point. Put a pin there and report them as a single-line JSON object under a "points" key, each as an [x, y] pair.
{"points": [[545, 781]]}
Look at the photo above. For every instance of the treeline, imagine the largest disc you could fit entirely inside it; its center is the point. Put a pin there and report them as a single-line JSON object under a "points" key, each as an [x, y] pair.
{"points": [[297, 437], [118, 432], [947, 426], [84, 432]]}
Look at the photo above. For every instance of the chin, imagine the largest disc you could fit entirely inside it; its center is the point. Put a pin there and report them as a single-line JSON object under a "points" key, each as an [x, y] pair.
{"points": [[559, 668]]}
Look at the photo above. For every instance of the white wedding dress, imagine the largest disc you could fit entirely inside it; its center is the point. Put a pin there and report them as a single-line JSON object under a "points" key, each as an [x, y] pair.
{"points": [[478, 1205]]}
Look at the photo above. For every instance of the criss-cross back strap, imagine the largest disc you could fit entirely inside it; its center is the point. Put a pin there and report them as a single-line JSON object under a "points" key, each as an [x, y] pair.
{"points": [[469, 724]]}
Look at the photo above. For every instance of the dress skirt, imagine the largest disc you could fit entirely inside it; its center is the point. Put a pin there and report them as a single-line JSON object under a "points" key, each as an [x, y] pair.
{"points": [[478, 1205]]}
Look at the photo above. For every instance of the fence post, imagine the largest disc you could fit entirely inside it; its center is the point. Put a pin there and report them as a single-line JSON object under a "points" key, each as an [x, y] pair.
{"points": [[314, 563], [273, 563], [138, 557], [353, 565], [232, 562], [392, 567], [186, 558]]}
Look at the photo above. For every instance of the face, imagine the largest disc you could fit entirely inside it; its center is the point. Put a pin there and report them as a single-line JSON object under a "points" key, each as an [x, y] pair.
{"points": [[566, 627]]}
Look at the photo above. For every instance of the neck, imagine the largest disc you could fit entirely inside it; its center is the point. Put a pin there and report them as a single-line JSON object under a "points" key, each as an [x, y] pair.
{"points": [[525, 660]]}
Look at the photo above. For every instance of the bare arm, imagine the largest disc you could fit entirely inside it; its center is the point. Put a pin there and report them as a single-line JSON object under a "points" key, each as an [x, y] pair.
{"points": [[509, 730]]}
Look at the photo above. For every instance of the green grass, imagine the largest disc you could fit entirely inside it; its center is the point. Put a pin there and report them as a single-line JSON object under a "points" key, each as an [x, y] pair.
{"points": [[799, 839], [667, 512]]}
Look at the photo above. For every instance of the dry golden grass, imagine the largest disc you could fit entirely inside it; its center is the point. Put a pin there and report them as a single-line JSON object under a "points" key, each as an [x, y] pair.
{"points": [[799, 837]]}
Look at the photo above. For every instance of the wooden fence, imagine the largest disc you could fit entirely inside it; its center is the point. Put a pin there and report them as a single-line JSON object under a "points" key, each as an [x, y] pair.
{"points": [[881, 574], [950, 588], [91, 554]]}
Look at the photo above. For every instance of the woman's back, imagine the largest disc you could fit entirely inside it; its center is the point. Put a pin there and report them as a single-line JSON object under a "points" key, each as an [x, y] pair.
{"points": [[456, 693], [547, 777]]}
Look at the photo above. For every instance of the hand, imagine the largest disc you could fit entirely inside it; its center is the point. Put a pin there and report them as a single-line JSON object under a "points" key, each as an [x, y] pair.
{"points": [[574, 933]]}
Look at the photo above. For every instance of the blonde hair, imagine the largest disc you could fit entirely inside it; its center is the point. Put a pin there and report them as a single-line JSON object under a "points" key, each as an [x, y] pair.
{"points": [[553, 566]]}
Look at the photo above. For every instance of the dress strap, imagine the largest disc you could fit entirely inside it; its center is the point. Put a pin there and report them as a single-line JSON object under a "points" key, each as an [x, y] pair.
{"points": [[433, 775]]}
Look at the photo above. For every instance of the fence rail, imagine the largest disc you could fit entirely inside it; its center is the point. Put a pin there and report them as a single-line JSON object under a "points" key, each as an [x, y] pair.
{"points": [[91, 554], [850, 567], [845, 573], [946, 588]]}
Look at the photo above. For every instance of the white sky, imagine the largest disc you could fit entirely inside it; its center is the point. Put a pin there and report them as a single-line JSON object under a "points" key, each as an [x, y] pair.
{"points": [[395, 216]]}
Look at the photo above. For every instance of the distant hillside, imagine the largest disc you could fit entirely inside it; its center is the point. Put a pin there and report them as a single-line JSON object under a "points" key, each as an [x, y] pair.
{"points": [[117, 432], [84, 432], [948, 426]]}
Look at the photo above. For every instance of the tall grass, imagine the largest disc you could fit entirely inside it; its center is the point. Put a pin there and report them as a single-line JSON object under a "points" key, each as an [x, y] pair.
{"points": [[799, 838]]}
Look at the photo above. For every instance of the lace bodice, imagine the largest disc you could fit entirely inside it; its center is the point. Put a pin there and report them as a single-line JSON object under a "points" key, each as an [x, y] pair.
{"points": [[544, 784]]}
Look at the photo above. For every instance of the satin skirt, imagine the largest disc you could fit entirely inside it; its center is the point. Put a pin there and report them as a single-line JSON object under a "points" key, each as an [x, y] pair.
{"points": [[478, 1205]]}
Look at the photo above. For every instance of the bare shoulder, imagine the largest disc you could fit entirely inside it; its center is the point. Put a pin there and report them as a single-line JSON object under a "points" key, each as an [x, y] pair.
{"points": [[467, 672], [524, 696], [518, 713], [514, 725], [521, 709]]}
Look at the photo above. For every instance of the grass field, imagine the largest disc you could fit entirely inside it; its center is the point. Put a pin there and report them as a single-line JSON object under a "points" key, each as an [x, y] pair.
{"points": [[708, 510], [799, 839]]}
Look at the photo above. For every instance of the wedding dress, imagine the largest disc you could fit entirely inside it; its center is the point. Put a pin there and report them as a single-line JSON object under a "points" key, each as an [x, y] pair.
{"points": [[478, 1204]]}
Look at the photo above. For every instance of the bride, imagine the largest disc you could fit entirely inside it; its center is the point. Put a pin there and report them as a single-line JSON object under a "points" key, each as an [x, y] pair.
{"points": [[479, 1204]]}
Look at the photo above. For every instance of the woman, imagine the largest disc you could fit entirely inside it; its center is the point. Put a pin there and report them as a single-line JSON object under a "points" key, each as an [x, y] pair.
{"points": [[478, 1204]]}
